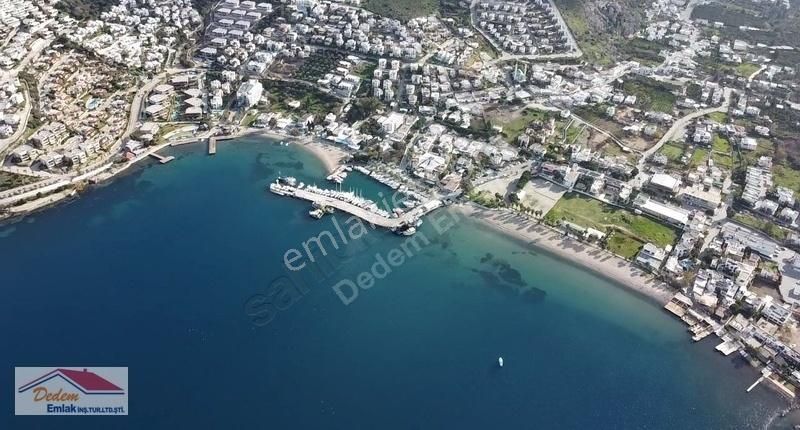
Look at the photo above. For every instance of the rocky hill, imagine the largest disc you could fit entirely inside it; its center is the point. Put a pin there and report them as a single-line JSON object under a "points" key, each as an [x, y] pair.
{"points": [[599, 24]]}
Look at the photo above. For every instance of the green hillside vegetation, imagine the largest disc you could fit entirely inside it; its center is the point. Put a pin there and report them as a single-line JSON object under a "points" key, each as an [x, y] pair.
{"points": [[746, 69], [85, 9], [402, 10], [651, 94]]}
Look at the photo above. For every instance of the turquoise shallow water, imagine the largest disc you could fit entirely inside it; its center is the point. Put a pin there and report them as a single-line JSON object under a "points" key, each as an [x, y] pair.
{"points": [[166, 271]]}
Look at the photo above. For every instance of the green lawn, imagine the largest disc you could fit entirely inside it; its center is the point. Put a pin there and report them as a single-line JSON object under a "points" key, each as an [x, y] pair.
{"points": [[785, 176], [673, 151], [722, 160], [402, 10], [720, 117], [765, 147], [767, 227], [720, 144], [596, 214], [624, 245], [651, 94], [746, 69], [515, 127], [699, 157]]}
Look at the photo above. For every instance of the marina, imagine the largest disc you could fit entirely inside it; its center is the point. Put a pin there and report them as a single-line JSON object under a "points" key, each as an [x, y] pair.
{"points": [[349, 202]]}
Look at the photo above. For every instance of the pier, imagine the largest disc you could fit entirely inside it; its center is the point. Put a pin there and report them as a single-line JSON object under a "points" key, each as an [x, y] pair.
{"points": [[765, 373], [727, 347], [212, 145], [338, 176], [162, 159], [371, 216]]}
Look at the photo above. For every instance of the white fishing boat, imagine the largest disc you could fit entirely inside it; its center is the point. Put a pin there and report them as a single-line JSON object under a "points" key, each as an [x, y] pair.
{"points": [[500, 361], [408, 232]]}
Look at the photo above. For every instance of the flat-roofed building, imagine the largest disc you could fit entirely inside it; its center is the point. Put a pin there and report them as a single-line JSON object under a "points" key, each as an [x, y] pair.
{"points": [[661, 182], [651, 257], [698, 197], [665, 212]]}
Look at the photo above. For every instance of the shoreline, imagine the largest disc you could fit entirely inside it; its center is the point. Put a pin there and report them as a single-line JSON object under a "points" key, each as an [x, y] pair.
{"points": [[596, 260], [329, 155]]}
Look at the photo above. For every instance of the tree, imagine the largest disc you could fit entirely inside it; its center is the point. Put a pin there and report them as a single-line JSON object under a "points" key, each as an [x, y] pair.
{"points": [[363, 108], [372, 127], [523, 180]]}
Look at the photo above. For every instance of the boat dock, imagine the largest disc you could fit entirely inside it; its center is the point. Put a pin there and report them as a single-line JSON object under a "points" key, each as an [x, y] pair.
{"points": [[365, 209], [764, 375], [727, 347], [162, 159], [338, 176], [679, 305], [212, 145]]}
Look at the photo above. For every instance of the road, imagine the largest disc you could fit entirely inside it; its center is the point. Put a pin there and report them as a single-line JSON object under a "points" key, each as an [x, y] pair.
{"points": [[680, 126], [36, 48], [23, 123], [45, 186], [756, 73]]}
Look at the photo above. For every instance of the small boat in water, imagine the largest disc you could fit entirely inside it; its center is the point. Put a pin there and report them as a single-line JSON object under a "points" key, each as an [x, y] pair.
{"points": [[408, 232], [316, 213], [287, 180], [404, 230], [500, 361]]}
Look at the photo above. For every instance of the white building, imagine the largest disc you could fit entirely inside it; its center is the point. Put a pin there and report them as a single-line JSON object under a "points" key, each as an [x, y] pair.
{"points": [[249, 93]]}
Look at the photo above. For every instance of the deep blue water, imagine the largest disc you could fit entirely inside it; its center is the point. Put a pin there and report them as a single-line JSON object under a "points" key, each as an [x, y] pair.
{"points": [[162, 271]]}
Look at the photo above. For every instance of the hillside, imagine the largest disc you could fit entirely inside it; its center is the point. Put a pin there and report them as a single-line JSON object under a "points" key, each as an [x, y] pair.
{"points": [[85, 9], [780, 26], [598, 25]]}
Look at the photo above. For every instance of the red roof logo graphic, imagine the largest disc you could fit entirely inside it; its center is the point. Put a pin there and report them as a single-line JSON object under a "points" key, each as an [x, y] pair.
{"points": [[85, 381]]}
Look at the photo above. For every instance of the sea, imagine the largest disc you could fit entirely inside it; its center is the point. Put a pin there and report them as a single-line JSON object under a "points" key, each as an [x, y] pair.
{"points": [[233, 309]]}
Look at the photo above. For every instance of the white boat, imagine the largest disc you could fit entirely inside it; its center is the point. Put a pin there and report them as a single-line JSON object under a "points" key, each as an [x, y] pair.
{"points": [[408, 232], [288, 180], [500, 361]]}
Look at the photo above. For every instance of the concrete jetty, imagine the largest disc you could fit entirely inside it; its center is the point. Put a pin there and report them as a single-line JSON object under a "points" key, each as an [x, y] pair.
{"points": [[162, 159], [407, 218], [212, 145], [765, 373], [727, 347]]}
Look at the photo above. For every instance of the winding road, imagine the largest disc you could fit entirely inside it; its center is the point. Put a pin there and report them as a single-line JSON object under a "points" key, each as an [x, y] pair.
{"points": [[681, 123]]}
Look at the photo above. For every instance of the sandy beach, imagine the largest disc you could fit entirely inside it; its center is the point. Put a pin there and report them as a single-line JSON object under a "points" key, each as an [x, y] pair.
{"points": [[593, 258], [330, 155]]}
